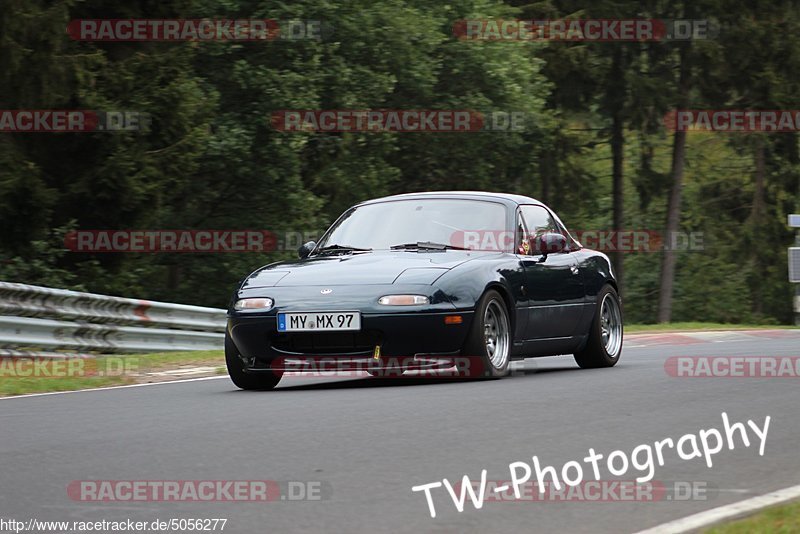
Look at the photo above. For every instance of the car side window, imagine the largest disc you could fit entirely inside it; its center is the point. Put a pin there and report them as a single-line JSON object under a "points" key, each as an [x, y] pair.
{"points": [[521, 244], [538, 220]]}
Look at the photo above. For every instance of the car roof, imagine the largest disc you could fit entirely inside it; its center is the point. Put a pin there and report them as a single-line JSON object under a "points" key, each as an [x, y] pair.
{"points": [[506, 198]]}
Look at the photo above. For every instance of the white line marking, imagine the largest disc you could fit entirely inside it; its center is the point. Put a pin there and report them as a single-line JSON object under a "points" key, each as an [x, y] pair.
{"points": [[184, 372], [111, 387], [715, 515], [498, 489]]}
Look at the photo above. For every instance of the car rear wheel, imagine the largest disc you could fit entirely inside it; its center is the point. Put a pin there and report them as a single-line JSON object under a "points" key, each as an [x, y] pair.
{"points": [[489, 340], [604, 345], [243, 380]]}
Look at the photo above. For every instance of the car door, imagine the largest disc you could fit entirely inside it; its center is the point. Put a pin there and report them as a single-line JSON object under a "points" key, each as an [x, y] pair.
{"points": [[553, 282]]}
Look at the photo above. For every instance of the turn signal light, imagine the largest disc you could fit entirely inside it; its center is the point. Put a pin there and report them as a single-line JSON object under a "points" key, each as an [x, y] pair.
{"points": [[403, 300], [262, 304], [453, 319]]}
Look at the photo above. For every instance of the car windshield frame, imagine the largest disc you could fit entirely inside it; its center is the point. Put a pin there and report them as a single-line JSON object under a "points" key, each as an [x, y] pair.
{"points": [[444, 236]]}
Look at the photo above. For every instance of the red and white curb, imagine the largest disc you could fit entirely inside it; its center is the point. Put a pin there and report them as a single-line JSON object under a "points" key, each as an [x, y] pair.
{"points": [[633, 341]]}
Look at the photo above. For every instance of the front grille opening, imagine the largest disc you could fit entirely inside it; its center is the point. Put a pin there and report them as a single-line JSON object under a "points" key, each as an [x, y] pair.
{"points": [[326, 342]]}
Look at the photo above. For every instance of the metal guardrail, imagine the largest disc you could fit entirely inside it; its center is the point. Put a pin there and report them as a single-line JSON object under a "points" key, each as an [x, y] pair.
{"points": [[34, 318]]}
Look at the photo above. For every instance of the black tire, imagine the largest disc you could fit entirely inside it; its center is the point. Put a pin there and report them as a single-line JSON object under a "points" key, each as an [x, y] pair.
{"points": [[596, 352], [250, 381], [476, 348]]}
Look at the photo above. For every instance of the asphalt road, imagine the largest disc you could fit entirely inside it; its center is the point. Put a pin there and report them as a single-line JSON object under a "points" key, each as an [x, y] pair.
{"points": [[367, 442]]}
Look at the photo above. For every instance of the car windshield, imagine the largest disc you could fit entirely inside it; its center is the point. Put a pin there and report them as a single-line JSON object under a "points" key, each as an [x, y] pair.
{"points": [[423, 224]]}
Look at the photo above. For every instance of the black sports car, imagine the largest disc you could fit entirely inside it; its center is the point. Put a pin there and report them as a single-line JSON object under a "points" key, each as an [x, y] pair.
{"points": [[421, 280]]}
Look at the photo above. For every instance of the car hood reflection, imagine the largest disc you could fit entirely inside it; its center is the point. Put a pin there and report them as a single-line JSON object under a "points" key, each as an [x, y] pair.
{"points": [[381, 267]]}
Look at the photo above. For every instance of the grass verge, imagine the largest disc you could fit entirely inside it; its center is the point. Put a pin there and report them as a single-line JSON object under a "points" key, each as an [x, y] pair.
{"points": [[695, 327], [19, 377], [783, 519]]}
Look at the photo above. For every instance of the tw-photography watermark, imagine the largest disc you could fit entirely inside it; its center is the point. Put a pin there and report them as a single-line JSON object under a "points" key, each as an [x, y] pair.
{"points": [[644, 458]]}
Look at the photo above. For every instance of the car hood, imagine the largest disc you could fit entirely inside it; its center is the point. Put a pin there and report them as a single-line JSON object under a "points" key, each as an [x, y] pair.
{"points": [[360, 268]]}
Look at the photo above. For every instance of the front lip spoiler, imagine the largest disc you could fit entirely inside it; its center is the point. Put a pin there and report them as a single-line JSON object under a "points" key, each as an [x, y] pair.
{"points": [[354, 354], [311, 364]]}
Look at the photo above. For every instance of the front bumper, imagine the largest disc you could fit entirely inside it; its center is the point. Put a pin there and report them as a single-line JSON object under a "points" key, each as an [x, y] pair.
{"points": [[403, 335]]}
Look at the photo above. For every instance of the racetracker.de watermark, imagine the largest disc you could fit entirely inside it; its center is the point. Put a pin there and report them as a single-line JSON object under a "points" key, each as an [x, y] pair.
{"points": [[641, 240], [733, 120], [733, 366], [170, 241], [409, 367], [48, 367], [246, 491], [127, 30], [603, 491], [399, 120], [214, 241], [72, 120], [599, 30]]}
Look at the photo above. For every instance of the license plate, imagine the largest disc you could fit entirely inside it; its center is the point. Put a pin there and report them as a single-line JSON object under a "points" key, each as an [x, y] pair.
{"points": [[319, 322]]}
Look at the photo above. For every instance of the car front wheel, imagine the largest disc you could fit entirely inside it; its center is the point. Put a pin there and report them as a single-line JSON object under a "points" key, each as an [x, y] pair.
{"points": [[604, 345], [489, 341], [243, 380]]}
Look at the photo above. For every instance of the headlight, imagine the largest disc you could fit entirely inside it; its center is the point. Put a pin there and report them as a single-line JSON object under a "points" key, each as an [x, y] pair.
{"points": [[262, 304], [403, 300]]}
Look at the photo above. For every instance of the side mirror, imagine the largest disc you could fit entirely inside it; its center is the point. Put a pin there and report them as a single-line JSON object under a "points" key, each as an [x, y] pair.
{"points": [[548, 243], [306, 249]]}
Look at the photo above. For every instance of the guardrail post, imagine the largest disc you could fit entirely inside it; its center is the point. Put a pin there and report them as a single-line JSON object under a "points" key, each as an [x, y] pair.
{"points": [[794, 265]]}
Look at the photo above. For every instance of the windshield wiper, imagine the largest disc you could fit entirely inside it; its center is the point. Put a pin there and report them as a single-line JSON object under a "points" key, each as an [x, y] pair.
{"points": [[342, 248], [426, 245]]}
